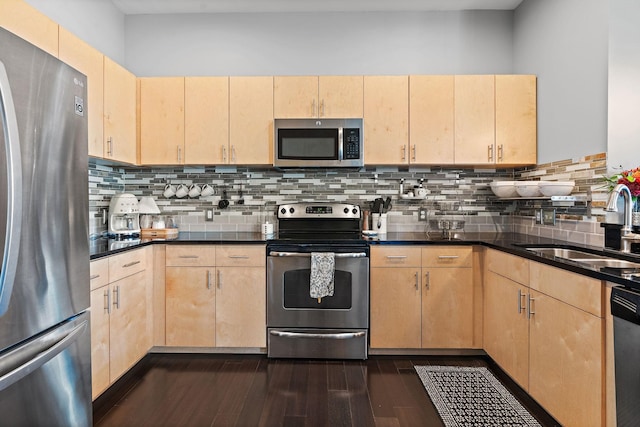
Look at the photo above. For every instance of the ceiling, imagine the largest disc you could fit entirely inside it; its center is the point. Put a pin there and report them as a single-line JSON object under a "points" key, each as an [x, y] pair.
{"points": [[135, 7]]}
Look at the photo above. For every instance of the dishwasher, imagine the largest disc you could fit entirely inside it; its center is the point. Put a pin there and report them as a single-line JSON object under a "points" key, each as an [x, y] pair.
{"points": [[625, 305]]}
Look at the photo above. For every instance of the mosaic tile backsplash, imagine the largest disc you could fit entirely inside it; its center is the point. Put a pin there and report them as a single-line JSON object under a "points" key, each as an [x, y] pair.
{"points": [[254, 195]]}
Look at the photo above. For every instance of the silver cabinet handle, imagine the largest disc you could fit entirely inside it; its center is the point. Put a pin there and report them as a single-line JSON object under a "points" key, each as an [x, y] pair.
{"points": [[322, 108], [179, 154], [404, 152], [340, 336], [413, 156], [27, 358], [208, 279], [313, 108], [490, 153], [448, 256], [219, 274], [94, 276], [520, 305], [116, 296], [427, 279], [530, 311], [308, 255], [396, 256], [110, 146], [417, 284], [189, 256], [131, 264], [233, 154], [239, 256], [224, 154], [500, 152], [107, 301], [12, 193]]}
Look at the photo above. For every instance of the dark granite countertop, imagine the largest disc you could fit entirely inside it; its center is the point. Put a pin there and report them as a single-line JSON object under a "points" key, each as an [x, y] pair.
{"points": [[513, 243]]}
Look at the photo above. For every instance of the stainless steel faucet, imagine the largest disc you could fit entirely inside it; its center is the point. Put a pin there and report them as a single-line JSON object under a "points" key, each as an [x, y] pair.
{"points": [[627, 235]]}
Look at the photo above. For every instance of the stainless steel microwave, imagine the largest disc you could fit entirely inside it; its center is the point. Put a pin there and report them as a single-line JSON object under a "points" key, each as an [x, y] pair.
{"points": [[316, 143]]}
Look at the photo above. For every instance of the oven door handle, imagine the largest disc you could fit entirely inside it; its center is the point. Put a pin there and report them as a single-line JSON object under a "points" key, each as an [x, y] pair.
{"points": [[339, 336], [308, 254]]}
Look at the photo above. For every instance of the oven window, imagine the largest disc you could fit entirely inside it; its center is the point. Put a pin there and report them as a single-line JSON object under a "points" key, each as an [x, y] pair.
{"points": [[296, 291], [312, 144]]}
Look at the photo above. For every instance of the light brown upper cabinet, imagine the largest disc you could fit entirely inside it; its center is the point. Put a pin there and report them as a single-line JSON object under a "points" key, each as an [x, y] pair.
{"points": [[250, 121], [431, 120], [495, 120], [27, 22], [516, 120], [474, 119], [318, 96], [386, 120], [161, 120], [90, 62], [206, 119], [119, 113]]}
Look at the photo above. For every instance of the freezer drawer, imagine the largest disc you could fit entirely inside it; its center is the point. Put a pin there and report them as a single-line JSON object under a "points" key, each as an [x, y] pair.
{"points": [[47, 380]]}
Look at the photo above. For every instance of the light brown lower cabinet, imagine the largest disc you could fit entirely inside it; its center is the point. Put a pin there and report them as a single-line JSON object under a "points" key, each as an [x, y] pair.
{"points": [[422, 297], [553, 342], [215, 296]]}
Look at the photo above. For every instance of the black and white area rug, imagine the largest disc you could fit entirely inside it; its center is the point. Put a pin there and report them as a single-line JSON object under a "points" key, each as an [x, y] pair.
{"points": [[472, 396]]}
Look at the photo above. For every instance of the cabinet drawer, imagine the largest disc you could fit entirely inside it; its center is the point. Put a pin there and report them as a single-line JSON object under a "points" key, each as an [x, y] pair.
{"points": [[190, 255], [240, 255], [585, 293], [98, 273], [510, 266], [447, 256], [396, 256], [126, 264]]}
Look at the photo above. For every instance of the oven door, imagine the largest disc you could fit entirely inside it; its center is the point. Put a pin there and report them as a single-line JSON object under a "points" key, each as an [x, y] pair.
{"points": [[302, 326]]}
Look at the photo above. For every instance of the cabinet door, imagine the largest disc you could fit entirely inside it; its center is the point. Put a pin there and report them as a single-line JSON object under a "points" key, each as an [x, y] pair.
{"points": [[119, 113], [206, 119], [241, 307], [506, 329], [431, 120], [516, 120], [162, 120], [447, 308], [395, 308], [100, 306], [565, 361], [250, 121], [129, 338], [295, 97], [341, 96], [190, 306], [22, 19], [90, 62], [474, 120], [386, 119]]}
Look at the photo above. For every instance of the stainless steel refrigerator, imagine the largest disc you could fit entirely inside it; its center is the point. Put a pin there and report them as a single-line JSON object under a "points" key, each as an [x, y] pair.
{"points": [[45, 351]]}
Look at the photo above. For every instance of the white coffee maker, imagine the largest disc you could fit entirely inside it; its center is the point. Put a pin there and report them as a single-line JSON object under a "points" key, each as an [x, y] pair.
{"points": [[124, 217]]}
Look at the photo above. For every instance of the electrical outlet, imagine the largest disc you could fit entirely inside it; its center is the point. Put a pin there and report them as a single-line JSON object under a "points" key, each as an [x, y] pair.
{"points": [[422, 214], [208, 215], [549, 216]]}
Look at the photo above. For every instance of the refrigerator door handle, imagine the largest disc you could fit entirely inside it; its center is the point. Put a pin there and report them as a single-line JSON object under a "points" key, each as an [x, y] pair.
{"points": [[25, 359], [13, 191]]}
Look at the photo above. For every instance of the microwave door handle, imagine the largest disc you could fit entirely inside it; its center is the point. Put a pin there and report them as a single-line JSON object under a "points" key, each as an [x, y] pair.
{"points": [[340, 143], [13, 203]]}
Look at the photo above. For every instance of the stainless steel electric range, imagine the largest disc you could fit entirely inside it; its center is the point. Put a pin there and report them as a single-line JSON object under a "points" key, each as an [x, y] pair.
{"points": [[299, 325]]}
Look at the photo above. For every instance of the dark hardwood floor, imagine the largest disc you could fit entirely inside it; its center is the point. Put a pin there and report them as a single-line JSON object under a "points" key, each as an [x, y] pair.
{"points": [[251, 390]]}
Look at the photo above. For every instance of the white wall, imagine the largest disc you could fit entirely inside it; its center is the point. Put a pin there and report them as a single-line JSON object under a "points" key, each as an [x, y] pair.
{"points": [[97, 22], [564, 42], [320, 43], [624, 85]]}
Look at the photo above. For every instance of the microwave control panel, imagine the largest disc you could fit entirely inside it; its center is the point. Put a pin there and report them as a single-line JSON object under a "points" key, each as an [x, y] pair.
{"points": [[351, 143]]}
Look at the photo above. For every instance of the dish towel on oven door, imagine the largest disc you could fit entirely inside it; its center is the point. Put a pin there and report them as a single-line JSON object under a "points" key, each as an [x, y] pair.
{"points": [[322, 269]]}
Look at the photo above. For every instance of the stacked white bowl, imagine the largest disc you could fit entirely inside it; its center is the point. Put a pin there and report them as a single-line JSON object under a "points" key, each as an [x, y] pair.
{"points": [[504, 189], [556, 188]]}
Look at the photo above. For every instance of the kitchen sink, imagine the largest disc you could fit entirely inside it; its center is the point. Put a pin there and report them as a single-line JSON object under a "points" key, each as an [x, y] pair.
{"points": [[587, 259]]}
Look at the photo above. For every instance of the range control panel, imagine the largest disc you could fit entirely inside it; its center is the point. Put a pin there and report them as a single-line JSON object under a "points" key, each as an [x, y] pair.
{"points": [[318, 210]]}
